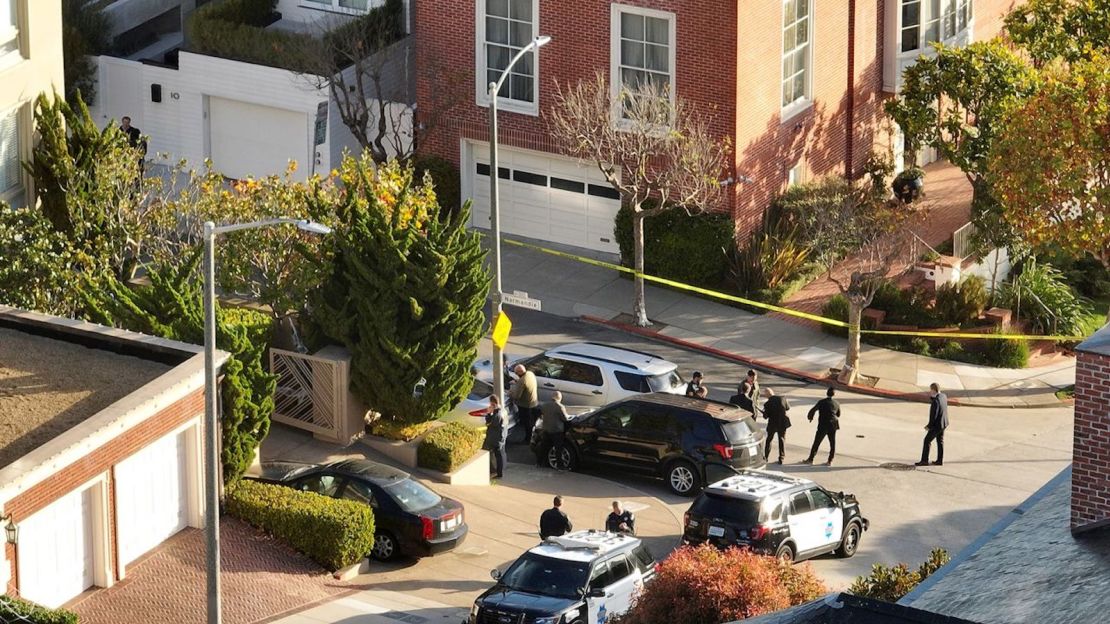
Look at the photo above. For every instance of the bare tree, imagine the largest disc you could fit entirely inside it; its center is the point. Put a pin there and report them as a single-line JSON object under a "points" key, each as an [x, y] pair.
{"points": [[657, 153]]}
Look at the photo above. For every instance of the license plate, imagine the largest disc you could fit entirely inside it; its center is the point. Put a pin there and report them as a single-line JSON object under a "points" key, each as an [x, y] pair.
{"points": [[450, 523], [716, 531]]}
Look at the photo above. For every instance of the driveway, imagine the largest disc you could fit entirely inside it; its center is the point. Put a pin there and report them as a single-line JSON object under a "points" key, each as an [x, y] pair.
{"points": [[261, 579]]}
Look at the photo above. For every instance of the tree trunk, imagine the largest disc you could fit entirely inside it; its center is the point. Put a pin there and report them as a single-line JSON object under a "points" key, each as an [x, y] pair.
{"points": [[850, 372], [640, 308]]}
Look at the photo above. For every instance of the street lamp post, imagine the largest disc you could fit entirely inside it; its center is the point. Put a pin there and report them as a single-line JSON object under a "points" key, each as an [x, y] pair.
{"points": [[211, 422], [494, 217]]}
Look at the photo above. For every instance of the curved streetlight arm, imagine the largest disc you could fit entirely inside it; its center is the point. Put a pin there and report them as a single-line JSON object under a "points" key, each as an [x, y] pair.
{"points": [[535, 44], [302, 224]]}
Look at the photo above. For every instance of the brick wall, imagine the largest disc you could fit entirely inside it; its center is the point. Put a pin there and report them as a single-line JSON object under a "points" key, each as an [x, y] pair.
{"points": [[1090, 476], [98, 462]]}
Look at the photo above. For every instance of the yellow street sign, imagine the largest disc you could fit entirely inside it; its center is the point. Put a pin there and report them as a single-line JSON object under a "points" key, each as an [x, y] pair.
{"points": [[501, 328]]}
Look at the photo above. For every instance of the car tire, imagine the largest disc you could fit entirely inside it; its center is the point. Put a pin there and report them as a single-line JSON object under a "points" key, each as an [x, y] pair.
{"points": [[786, 552], [569, 460], [683, 478], [386, 547], [849, 544]]}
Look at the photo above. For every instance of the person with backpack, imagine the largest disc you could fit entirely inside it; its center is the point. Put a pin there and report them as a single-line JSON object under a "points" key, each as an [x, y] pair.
{"points": [[828, 422]]}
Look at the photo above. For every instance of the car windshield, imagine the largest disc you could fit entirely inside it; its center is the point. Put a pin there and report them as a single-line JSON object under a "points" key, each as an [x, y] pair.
{"points": [[480, 391], [546, 576], [412, 496], [664, 382], [737, 430], [742, 512]]}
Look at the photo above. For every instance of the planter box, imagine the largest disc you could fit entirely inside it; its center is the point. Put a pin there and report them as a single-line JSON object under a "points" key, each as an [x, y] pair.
{"points": [[475, 471], [403, 453]]}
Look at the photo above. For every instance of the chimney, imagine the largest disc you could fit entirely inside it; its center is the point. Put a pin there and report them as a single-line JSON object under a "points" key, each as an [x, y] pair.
{"points": [[1090, 475]]}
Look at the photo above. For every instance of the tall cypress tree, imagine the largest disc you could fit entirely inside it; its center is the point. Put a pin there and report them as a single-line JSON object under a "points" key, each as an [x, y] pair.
{"points": [[406, 292]]}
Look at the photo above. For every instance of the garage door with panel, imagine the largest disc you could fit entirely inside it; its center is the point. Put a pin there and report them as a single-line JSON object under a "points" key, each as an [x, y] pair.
{"points": [[55, 553], [546, 197], [254, 140], [151, 496]]}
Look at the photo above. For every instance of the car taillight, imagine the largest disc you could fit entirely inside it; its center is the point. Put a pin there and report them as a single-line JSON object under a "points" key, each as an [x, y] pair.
{"points": [[429, 526], [725, 450], [686, 519], [759, 532]]}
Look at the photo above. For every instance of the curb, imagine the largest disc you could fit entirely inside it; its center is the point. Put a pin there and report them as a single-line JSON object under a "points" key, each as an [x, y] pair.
{"points": [[784, 371]]}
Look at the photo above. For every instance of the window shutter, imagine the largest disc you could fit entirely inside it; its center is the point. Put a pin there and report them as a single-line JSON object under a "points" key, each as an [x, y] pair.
{"points": [[9, 151]]}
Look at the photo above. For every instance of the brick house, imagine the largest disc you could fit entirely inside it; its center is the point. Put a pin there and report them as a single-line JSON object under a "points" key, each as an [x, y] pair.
{"points": [[100, 451], [797, 86]]}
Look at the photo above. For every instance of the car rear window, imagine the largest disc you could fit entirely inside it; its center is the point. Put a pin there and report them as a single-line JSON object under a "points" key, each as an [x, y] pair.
{"points": [[411, 495], [664, 382], [737, 430], [743, 512], [636, 382]]}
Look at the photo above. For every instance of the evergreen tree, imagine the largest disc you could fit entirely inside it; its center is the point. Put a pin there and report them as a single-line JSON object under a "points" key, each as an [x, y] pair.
{"points": [[406, 292]]}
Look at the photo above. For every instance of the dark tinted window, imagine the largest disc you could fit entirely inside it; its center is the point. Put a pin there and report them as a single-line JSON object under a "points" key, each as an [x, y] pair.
{"points": [[578, 372], [742, 512], [649, 419], [326, 484], [602, 576], [528, 177], [821, 499], [359, 492], [604, 191], [701, 427], [619, 569], [412, 495], [800, 503], [617, 417], [776, 514], [632, 382], [567, 185], [546, 576], [643, 557], [483, 169], [736, 430], [544, 366]]}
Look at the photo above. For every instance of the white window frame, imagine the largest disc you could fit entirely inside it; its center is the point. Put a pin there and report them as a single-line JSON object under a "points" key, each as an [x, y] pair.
{"points": [[481, 83], [806, 101], [960, 12], [334, 6], [15, 195], [615, 80], [10, 35]]}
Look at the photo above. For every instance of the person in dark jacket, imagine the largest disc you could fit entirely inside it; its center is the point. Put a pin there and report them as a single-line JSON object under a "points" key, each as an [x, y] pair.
{"points": [[694, 385], [554, 522], [496, 435], [938, 422], [828, 421], [774, 410], [621, 520], [747, 393]]}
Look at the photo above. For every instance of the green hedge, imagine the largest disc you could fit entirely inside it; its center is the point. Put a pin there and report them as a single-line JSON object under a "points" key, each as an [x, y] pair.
{"points": [[678, 246], [835, 308], [335, 533], [17, 610], [445, 178], [448, 447]]}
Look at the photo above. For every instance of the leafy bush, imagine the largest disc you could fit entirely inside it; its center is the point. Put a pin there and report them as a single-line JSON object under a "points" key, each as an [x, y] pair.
{"points": [[1041, 295], [893, 582], [395, 430], [445, 179], [1086, 274], [1006, 353], [796, 207], [767, 260], [951, 350], [835, 308], [678, 246], [14, 609], [704, 585], [334, 532], [919, 346], [961, 303], [448, 447]]}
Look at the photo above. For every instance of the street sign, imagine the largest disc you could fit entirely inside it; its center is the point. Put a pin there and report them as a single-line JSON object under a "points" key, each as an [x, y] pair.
{"points": [[520, 299], [501, 327]]}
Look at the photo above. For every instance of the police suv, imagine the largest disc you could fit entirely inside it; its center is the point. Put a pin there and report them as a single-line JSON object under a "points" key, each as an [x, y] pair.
{"points": [[774, 513], [583, 577]]}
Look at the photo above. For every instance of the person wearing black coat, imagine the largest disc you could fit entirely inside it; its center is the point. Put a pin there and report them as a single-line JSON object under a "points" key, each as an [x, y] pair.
{"points": [[938, 422], [774, 410], [828, 421], [554, 522], [496, 436]]}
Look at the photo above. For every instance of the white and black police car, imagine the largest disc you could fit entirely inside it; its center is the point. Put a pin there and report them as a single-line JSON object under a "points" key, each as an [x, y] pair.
{"points": [[584, 577], [774, 513]]}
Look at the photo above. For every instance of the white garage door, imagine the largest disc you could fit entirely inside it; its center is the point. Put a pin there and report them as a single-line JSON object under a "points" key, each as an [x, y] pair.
{"points": [[254, 140], [151, 497], [546, 197], [55, 550]]}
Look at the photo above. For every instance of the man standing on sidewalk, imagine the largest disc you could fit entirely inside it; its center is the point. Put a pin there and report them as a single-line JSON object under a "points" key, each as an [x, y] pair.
{"points": [[554, 424], [828, 421], [554, 522], [526, 398], [774, 410], [938, 422]]}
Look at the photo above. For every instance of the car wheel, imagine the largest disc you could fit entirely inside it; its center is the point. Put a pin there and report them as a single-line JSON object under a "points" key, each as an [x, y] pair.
{"points": [[566, 460], [683, 478], [385, 547], [785, 553], [850, 543]]}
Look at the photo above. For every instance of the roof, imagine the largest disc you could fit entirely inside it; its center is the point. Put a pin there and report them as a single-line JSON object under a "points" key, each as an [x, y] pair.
{"points": [[48, 385], [1027, 568], [849, 609], [585, 545], [757, 484], [1098, 342], [628, 358], [716, 409], [369, 470]]}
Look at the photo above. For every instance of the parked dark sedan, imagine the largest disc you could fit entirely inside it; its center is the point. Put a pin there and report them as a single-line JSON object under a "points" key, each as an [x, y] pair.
{"points": [[409, 518]]}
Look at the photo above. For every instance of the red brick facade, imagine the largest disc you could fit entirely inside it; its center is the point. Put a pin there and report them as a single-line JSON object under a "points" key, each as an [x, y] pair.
{"points": [[97, 462], [728, 61], [1090, 476]]}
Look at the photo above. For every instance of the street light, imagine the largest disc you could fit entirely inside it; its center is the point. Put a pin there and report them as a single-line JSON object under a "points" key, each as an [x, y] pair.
{"points": [[211, 423], [494, 221]]}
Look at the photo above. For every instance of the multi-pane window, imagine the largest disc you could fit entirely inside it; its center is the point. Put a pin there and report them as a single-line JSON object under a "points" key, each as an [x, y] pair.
{"points": [[963, 13], [10, 173], [927, 21], [353, 5], [9, 28], [509, 26], [797, 26], [645, 52]]}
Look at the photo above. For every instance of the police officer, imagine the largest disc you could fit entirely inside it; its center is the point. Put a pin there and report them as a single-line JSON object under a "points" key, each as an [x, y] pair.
{"points": [[828, 421]]}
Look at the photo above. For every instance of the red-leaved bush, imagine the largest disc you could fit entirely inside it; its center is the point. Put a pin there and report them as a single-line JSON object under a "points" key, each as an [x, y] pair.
{"points": [[704, 585]]}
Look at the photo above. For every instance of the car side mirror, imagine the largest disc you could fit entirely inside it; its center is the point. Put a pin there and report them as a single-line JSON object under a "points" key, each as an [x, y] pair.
{"points": [[495, 574], [596, 592]]}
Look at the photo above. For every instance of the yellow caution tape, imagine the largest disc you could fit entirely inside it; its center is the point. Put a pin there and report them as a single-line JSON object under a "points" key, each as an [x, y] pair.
{"points": [[767, 306]]}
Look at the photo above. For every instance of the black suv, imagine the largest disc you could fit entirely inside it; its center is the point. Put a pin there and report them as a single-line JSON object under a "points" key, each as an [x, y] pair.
{"points": [[686, 441], [773, 513]]}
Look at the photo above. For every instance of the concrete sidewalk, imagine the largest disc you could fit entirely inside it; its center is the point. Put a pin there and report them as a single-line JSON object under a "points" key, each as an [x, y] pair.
{"points": [[577, 289]]}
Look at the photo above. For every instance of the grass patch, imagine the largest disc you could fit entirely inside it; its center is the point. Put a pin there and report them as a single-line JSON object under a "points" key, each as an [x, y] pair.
{"points": [[1066, 393]]}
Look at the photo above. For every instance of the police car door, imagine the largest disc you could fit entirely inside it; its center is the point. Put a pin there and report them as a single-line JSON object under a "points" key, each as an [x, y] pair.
{"points": [[828, 517], [619, 580]]}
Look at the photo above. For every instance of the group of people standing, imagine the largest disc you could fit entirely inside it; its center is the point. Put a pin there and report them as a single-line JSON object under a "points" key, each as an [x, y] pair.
{"points": [[554, 522], [524, 395]]}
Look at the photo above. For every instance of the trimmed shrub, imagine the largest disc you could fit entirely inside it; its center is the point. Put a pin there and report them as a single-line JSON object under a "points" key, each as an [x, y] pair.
{"points": [[14, 609], [397, 430], [334, 532], [445, 180], [704, 585], [1006, 353], [446, 448], [678, 246], [836, 309], [891, 583], [961, 303]]}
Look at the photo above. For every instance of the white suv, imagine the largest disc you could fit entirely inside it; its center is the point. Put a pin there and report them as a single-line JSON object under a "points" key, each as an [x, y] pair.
{"points": [[589, 373], [584, 577]]}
